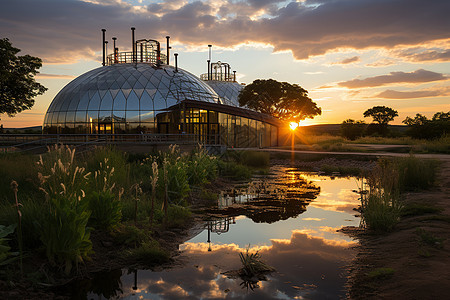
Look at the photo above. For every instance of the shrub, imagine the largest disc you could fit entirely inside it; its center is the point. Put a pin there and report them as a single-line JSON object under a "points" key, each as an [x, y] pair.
{"points": [[149, 253], [234, 171], [64, 233], [201, 167], [351, 129], [415, 174], [178, 215], [106, 210]]}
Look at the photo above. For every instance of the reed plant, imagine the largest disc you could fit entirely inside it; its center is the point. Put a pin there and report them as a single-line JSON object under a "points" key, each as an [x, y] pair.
{"points": [[201, 167], [415, 173]]}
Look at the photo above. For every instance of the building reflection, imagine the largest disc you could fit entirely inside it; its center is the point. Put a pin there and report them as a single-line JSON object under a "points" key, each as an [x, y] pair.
{"points": [[218, 226]]}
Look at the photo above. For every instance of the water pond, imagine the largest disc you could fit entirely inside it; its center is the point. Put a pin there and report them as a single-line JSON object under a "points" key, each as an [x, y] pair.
{"points": [[290, 217]]}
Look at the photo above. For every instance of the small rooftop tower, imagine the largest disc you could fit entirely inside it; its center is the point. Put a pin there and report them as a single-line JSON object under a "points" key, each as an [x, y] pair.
{"points": [[142, 51]]}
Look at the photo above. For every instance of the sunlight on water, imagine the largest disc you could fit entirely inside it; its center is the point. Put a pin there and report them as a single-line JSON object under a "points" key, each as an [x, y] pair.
{"points": [[298, 238]]}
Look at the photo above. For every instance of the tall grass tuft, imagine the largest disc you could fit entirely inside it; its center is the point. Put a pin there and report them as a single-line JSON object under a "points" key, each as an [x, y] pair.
{"points": [[252, 265], [106, 210], [416, 174]]}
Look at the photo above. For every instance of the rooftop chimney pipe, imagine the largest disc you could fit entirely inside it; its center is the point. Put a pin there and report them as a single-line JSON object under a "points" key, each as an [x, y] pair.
{"points": [[133, 45], [176, 62], [234, 76], [209, 66], [168, 48], [103, 46]]}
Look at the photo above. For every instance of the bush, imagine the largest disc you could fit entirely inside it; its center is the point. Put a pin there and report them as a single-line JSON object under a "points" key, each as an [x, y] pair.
{"points": [[64, 233], [351, 129], [380, 212], [201, 167], [178, 215], [106, 210], [415, 174], [234, 171]]}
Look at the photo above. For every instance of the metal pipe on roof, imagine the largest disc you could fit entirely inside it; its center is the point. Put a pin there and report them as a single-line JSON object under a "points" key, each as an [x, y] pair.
{"points": [[209, 73], [176, 61], [133, 46], [168, 48], [103, 46]]}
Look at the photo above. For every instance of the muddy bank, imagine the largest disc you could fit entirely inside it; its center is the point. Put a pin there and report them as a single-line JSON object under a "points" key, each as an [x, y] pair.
{"points": [[411, 262]]}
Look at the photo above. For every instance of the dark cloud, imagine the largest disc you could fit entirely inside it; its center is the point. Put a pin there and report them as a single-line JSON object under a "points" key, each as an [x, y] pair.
{"points": [[391, 94], [426, 56], [66, 30], [348, 60], [417, 76]]}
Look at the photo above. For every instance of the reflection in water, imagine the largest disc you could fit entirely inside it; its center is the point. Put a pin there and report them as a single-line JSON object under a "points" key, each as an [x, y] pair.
{"points": [[307, 253]]}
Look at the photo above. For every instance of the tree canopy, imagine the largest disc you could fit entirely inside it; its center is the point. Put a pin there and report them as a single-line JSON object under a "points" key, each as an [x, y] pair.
{"points": [[283, 100], [18, 86], [381, 114], [421, 127]]}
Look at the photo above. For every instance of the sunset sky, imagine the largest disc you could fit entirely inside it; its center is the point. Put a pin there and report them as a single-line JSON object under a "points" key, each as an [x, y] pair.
{"points": [[349, 54]]}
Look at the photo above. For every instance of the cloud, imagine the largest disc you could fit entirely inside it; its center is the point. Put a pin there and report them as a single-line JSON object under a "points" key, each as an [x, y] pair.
{"points": [[392, 94], [382, 63], [425, 55], [66, 31], [417, 76], [54, 76], [348, 60]]}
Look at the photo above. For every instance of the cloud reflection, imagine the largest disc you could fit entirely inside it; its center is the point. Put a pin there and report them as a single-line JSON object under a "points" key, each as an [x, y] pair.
{"points": [[312, 268]]}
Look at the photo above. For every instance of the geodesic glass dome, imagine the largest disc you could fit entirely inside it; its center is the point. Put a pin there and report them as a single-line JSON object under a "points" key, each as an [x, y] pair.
{"points": [[123, 98], [227, 90]]}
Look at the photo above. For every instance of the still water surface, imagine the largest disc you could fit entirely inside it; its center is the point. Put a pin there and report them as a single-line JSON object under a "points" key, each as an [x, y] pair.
{"points": [[290, 217]]}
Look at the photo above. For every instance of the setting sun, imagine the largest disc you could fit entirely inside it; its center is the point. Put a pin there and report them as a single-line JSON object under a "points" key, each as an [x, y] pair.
{"points": [[293, 125]]}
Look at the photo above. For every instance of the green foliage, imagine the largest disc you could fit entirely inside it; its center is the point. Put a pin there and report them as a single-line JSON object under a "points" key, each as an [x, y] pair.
{"points": [[234, 171], [64, 233], [381, 212], [129, 235], [252, 264], [201, 167], [178, 215], [149, 253], [381, 273], [420, 127], [106, 210], [174, 176], [6, 256], [427, 238], [415, 173], [381, 114], [351, 129], [17, 82], [418, 209], [282, 100]]}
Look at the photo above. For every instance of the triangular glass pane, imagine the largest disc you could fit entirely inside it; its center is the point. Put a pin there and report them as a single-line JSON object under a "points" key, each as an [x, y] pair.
{"points": [[107, 102], [120, 101], [126, 85], [146, 102], [114, 92], [94, 104], [139, 92], [132, 101], [126, 92]]}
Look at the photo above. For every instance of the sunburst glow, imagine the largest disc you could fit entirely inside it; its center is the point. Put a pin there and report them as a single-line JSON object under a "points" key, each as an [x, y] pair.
{"points": [[293, 125]]}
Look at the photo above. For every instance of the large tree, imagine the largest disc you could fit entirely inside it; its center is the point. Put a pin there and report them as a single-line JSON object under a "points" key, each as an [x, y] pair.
{"points": [[18, 86], [283, 100], [381, 114]]}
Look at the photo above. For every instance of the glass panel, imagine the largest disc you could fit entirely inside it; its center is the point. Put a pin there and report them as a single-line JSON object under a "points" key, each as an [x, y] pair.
{"points": [[84, 102], [119, 116], [120, 102], [213, 117], [159, 102], [274, 136], [80, 116], [147, 116], [70, 117], [74, 103], [132, 116], [107, 102], [61, 117], [94, 104], [146, 103], [92, 116], [81, 128], [104, 116], [132, 101]]}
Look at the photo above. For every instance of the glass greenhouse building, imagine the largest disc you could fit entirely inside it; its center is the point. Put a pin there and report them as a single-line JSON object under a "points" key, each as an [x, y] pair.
{"points": [[139, 93]]}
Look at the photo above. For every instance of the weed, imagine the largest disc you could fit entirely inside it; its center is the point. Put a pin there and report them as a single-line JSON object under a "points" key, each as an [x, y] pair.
{"points": [[252, 264], [381, 273], [427, 238], [178, 215], [417, 209], [234, 171], [106, 210], [416, 174]]}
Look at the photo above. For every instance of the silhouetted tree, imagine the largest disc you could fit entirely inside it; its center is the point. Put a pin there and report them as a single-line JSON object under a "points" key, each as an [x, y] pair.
{"points": [[352, 129], [282, 100], [381, 115], [17, 84], [420, 127]]}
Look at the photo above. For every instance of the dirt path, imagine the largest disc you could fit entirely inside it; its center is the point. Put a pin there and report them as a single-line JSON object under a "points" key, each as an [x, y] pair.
{"points": [[420, 270]]}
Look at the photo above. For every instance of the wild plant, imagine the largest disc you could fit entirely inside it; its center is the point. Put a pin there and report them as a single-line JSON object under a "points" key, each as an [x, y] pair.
{"points": [[136, 192], [59, 175], [6, 256], [381, 207], [102, 179], [201, 167], [106, 210], [154, 183], [252, 265], [14, 187]]}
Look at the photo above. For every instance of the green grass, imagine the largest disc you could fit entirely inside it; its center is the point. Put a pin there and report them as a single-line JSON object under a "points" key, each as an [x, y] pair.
{"points": [[148, 253], [418, 209], [428, 238]]}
